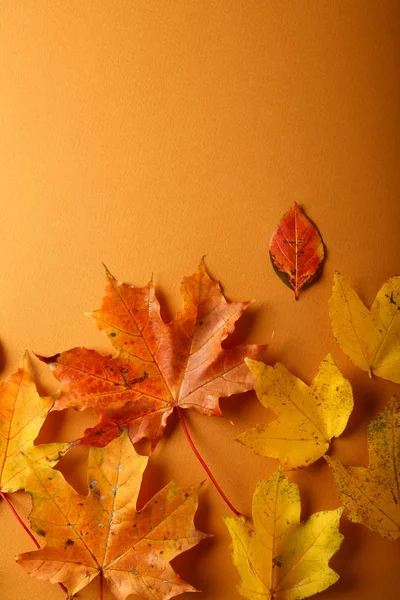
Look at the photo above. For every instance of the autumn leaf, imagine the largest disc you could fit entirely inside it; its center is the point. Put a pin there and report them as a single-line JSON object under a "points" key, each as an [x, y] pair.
{"points": [[372, 494], [157, 366], [370, 338], [22, 414], [277, 556], [297, 250], [308, 417], [104, 533]]}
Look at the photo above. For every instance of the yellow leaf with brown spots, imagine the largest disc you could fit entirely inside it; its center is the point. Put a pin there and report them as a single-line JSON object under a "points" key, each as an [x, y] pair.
{"points": [[278, 557], [370, 338], [372, 494], [103, 533], [308, 417], [22, 414]]}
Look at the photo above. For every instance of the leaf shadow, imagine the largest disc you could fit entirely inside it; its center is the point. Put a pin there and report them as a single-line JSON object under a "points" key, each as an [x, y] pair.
{"points": [[344, 561], [190, 564], [305, 478], [172, 423], [366, 406], [244, 327], [166, 310], [3, 361], [233, 407], [73, 466], [45, 382], [51, 428], [153, 481]]}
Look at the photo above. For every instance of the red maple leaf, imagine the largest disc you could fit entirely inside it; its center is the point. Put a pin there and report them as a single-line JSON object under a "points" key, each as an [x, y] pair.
{"points": [[158, 366]]}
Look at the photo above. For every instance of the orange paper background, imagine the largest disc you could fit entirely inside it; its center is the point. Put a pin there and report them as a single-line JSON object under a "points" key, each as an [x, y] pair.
{"points": [[145, 134]]}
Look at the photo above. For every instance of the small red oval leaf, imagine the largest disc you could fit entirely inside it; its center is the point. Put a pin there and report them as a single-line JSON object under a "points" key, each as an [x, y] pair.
{"points": [[297, 250]]}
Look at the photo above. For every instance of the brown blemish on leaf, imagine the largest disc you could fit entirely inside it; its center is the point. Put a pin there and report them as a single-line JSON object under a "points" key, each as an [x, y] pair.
{"points": [[307, 417], [372, 494], [157, 366], [276, 554], [107, 539]]}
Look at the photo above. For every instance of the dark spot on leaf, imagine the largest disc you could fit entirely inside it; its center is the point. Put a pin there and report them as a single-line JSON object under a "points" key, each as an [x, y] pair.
{"points": [[391, 298]]}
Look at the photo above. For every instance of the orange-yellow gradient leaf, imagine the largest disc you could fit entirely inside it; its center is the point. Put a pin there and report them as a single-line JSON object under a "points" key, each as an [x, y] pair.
{"points": [[22, 414], [370, 338], [372, 494], [277, 557], [308, 417], [157, 366], [103, 532], [297, 250]]}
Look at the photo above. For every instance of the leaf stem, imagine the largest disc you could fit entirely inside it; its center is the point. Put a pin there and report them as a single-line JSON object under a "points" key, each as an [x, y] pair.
{"points": [[20, 521], [204, 464]]}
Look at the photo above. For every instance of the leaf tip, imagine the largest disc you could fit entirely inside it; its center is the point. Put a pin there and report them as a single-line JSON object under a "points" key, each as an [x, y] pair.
{"points": [[202, 269], [23, 363], [251, 364], [202, 263], [109, 275], [49, 360], [337, 276]]}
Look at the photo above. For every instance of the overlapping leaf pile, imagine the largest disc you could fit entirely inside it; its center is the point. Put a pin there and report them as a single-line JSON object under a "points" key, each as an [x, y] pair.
{"points": [[160, 367]]}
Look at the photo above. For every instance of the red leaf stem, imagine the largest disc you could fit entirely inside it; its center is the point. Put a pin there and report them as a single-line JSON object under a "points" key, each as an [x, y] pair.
{"points": [[204, 464], [20, 521]]}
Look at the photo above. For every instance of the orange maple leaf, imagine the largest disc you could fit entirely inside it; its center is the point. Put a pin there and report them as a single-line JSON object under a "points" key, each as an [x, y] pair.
{"points": [[158, 366], [102, 533]]}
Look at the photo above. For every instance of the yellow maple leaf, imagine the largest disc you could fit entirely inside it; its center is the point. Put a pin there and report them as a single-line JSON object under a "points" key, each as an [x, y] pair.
{"points": [[308, 417], [278, 557], [372, 495], [370, 338], [22, 414]]}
